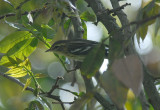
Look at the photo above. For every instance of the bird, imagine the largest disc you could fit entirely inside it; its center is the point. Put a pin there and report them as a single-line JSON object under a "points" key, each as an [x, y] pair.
{"points": [[76, 49]]}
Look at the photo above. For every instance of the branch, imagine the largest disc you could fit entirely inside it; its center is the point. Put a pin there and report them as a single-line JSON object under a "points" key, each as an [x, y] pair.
{"points": [[14, 14], [90, 88], [31, 89], [107, 105], [22, 3], [144, 102], [55, 85], [64, 102], [141, 22], [148, 81], [115, 10], [56, 98], [77, 24], [124, 21], [152, 93], [16, 81]]}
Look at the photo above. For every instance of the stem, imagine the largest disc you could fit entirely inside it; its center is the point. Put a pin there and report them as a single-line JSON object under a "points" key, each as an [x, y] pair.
{"points": [[34, 79]]}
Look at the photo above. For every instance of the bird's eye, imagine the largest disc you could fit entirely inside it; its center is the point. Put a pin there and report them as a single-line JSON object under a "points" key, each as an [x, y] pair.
{"points": [[56, 47]]}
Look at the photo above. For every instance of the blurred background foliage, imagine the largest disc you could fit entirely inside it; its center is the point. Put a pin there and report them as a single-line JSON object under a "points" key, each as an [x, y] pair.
{"points": [[48, 26]]}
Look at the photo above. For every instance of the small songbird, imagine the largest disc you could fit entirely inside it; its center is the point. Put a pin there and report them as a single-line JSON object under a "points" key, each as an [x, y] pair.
{"points": [[76, 49]]}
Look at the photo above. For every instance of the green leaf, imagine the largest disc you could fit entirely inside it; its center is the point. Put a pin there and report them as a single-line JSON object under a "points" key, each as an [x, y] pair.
{"points": [[40, 75], [26, 64], [81, 94], [8, 2], [82, 5], [151, 9], [67, 24], [9, 41], [35, 105], [16, 71], [93, 61], [6, 7], [43, 16], [17, 25], [158, 1], [33, 5], [157, 26], [142, 32], [19, 50], [47, 32], [12, 60], [28, 82], [85, 30], [75, 93], [87, 16], [23, 48], [19, 70]]}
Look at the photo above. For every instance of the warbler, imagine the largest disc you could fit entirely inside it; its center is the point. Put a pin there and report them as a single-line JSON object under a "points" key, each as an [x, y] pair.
{"points": [[76, 49]]}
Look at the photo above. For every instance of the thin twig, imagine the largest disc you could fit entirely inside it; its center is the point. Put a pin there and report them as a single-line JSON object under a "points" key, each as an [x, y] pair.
{"points": [[22, 3], [14, 14], [67, 91], [55, 85], [114, 10], [16, 81], [141, 22], [56, 98], [63, 102], [118, 9]]}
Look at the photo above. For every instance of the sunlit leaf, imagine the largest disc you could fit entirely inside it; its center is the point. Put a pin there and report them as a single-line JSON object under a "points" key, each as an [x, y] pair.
{"points": [[129, 71], [19, 60], [21, 49], [19, 68], [46, 31], [93, 61], [40, 75], [115, 89], [28, 82], [85, 30], [16, 72], [9, 41], [12, 60], [26, 63]]}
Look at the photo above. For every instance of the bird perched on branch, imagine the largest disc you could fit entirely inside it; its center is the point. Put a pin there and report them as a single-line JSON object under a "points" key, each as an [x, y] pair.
{"points": [[76, 49]]}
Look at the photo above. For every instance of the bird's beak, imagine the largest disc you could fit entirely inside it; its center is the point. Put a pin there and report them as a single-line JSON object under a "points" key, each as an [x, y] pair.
{"points": [[48, 50]]}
